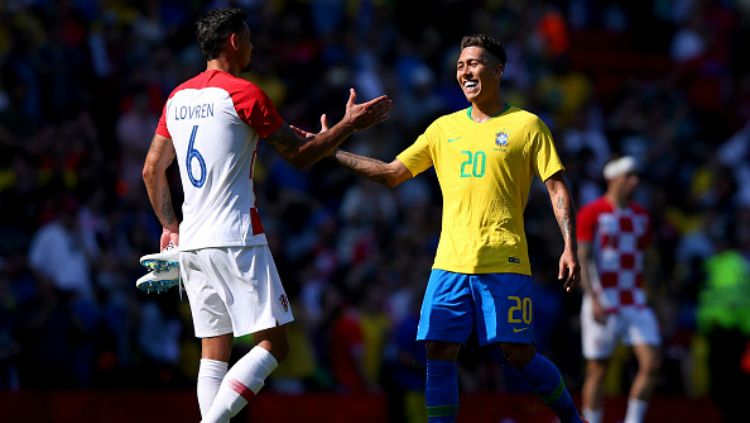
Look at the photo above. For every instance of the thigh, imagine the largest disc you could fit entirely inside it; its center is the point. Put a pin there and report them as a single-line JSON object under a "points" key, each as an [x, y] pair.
{"points": [[648, 356], [599, 340], [447, 309], [207, 303], [504, 309], [258, 299], [642, 327]]}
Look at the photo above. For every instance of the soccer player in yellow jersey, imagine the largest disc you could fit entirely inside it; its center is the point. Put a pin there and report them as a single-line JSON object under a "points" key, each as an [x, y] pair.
{"points": [[485, 157]]}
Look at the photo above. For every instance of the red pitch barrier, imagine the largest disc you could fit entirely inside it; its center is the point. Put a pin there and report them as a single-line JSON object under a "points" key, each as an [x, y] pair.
{"points": [[163, 407]]}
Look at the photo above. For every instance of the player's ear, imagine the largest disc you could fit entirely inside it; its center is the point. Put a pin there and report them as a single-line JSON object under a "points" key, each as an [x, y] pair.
{"points": [[499, 71], [234, 41]]}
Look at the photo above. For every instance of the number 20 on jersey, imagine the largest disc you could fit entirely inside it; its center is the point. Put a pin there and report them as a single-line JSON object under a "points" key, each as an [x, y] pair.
{"points": [[474, 164]]}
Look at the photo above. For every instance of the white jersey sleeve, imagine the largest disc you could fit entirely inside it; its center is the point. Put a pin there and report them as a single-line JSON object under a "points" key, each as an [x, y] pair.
{"points": [[215, 121]]}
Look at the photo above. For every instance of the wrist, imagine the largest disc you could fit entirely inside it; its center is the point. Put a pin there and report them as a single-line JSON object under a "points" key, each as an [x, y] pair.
{"points": [[348, 122]]}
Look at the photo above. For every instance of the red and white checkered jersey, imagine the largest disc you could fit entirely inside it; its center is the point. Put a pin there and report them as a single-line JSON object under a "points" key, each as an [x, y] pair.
{"points": [[619, 238], [215, 120]]}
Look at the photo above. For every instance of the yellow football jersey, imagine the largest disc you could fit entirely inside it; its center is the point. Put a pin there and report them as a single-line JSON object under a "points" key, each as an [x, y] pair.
{"points": [[485, 172]]}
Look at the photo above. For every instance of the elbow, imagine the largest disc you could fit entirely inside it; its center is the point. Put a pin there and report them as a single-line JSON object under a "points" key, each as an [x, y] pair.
{"points": [[391, 182], [147, 172], [395, 177]]}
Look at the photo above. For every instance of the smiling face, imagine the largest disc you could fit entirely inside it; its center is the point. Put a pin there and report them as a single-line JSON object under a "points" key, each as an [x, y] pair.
{"points": [[478, 73]]}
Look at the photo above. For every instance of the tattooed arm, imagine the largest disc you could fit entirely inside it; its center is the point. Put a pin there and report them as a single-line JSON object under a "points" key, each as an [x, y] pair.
{"points": [[562, 205], [389, 174], [302, 150], [160, 156]]}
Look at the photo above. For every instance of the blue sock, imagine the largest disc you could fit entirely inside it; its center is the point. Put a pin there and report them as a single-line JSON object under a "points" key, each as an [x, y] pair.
{"points": [[546, 381], [441, 391]]}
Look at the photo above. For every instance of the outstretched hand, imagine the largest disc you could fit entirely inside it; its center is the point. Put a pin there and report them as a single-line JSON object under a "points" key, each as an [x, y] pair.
{"points": [[570, 270], [360, 116], [309, 135], [366, 114]]}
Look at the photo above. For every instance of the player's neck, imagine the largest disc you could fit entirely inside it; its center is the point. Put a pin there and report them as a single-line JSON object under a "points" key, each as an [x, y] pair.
{"points": [[222, 64], [618, 200], [481, 111]]}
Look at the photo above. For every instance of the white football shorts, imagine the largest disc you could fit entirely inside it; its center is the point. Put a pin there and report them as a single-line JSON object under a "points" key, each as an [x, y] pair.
{"points": [[630, 325], [233, 290]]}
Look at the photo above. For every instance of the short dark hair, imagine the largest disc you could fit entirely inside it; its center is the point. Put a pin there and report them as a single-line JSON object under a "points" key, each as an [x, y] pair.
{"points": [[213, 29], [486, 42]]}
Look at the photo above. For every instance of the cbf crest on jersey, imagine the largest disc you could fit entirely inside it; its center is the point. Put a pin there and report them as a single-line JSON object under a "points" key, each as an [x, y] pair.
{"points": [[501, 140]]}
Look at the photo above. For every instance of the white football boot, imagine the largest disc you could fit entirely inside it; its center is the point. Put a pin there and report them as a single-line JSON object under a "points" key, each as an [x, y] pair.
{"points": [[158, 282], [167, 259]]}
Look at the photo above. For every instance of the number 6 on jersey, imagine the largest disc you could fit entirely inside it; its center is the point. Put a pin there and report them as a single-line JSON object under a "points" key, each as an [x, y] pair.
{"points": [[192, 153]]}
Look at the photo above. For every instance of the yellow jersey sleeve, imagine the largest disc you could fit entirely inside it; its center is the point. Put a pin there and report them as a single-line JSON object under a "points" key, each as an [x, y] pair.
{"points": [[418, 156], [544, 158]]}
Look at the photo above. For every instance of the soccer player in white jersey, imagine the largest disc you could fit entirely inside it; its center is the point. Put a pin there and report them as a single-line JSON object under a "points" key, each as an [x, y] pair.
{"points": [[212, 124], [613, 234]]}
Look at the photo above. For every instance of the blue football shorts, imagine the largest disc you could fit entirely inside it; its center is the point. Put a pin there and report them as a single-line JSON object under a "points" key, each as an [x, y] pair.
{"points": [[498, 305]]}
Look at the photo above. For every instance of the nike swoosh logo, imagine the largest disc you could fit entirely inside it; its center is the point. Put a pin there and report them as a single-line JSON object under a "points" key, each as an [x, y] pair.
{"points": [[454, 139], [516, 330]]}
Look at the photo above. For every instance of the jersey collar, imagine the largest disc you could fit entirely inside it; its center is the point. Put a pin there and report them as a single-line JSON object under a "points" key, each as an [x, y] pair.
{"points": [[505, 109]]}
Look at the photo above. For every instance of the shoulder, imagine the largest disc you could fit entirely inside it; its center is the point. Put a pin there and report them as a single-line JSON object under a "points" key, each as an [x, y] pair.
{"points": [[233, 85], [238, 88], [527, 120], [598, 206], [440, 124], [194, 83], [449, 118], [638, 209]]}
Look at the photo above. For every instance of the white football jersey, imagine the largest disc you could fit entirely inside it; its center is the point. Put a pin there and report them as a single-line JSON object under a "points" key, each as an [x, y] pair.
{"points": [[215, 121]]}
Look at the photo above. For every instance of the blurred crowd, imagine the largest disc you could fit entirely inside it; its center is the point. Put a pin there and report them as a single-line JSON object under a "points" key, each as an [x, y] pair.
{"points": [[82, 85]]}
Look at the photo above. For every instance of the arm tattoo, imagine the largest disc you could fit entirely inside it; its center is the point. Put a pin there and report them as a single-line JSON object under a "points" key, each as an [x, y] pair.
{"points": [[285, 141], [564, 218], [167, 211], [373, 169]]}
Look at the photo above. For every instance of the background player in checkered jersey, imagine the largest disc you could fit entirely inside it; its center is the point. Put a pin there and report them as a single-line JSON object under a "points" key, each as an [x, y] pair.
{"points": [[613, 233], [212, 124], [485, 157]]}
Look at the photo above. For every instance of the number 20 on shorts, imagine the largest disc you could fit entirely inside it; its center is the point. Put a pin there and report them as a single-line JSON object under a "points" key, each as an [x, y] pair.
{"points": [[521, 311]]}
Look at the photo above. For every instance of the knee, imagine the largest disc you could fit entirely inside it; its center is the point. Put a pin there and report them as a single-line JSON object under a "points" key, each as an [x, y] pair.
{"points": [[280, 350], [652, 365], [596, 369], [274, 341], [442, 350], [518, 355]]}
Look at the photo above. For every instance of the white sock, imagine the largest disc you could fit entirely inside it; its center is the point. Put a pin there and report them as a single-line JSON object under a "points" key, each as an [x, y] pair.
{"points": [[210, 375], [636, 410], [593, 416], [241, 383]]}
